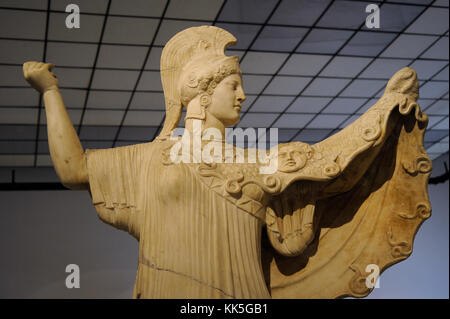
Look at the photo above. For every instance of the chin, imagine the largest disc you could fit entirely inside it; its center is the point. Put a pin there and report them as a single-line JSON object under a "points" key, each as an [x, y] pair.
{"points": [[231, 120], [234, 121]]}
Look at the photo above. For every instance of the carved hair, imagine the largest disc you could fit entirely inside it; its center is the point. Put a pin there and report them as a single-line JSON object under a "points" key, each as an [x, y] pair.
{"points": [[190, 60]]}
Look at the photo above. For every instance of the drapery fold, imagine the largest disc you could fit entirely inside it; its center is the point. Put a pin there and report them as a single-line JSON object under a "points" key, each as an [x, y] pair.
{"points": [[369, 213]]}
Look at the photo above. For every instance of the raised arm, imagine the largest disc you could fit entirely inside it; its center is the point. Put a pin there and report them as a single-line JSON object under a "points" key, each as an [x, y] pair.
{"points": [[65, 148]]}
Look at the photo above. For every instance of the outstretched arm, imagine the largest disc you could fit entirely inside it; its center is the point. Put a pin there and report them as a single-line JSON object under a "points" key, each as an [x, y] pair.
{"points": [[65, 149]]}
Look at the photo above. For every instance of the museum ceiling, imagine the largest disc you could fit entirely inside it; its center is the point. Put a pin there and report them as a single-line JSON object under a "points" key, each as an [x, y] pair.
{"points": [[309, 67]]}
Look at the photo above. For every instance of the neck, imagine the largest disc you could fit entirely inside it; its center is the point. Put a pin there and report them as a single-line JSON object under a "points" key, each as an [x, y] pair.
{"points": [[212, 122], [209, 122]]}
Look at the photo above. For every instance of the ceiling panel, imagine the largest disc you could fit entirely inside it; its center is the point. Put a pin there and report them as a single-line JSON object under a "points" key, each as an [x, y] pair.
{"points": [[18, 115], [299, 12], [147, 8], [74, 77], [119, 56], [435, 135], [108, 99], [293, 120], [439, 50], [17, 132], [32, 24], [154, 59], [327, 121], [409, 46], [310, 68], [433, 89], [18, 96], [275, 38], [140, 118], [304, 64], [344, 14], [198, 9], [257, 120], [326, 87], [432, 21], [253, 84], [244, 33], [25, 4], [97, 6], [384, 68], [137, 133], [312, 135], [344, 105], [441, 107], [262, 62], [114, 79], [74, 115], [171, 27], [74, 98], [443, 75], [255, 11], [148, 100], [271, 103], [423, 2], [367, 43], [345, 66], [71, 54], [98, 132], [285, 135], [90, 28], [396, 17], [324, 41], [284, 85], [442, 125], [366, 106], [363, 88], [118, 30], [17, 51], [308, 104], [16, 160], [426, 69], [98, 117], [11, 75]]}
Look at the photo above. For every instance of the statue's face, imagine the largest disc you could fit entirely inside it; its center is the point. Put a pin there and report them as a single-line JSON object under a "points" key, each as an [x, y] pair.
{"points": [[290, 159], [227, 99]]}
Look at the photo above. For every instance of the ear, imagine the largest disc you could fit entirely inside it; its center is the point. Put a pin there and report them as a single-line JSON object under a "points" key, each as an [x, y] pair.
{"points": [[195, 110]]}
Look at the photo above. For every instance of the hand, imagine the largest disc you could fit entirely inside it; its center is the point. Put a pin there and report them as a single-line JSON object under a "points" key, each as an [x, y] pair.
{"points": [[40, 76]]}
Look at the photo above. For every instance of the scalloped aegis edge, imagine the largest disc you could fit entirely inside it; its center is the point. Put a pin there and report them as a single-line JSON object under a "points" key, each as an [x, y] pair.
{"points": [[376, 220], [407, 198]]}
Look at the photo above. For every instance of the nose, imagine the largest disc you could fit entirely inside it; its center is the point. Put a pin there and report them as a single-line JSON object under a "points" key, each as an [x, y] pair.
{"points": [[240, 95]]}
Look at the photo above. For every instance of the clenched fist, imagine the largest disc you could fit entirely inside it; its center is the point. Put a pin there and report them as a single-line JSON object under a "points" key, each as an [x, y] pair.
{"points": [[40, 76]]}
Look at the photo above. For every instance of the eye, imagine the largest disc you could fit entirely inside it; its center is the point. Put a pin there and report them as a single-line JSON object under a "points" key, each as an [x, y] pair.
{"points": [[233, 85]]}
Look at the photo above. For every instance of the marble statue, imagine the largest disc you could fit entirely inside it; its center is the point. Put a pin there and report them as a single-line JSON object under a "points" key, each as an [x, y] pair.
{"points": [[223, 228]]}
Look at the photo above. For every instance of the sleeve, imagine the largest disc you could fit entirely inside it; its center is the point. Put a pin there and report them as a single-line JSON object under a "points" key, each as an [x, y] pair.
{"points": [[365, 213], [114, 182]]}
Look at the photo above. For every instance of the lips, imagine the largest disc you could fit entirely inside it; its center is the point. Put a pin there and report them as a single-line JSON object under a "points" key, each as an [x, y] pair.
{"points": [[238, 107]]}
